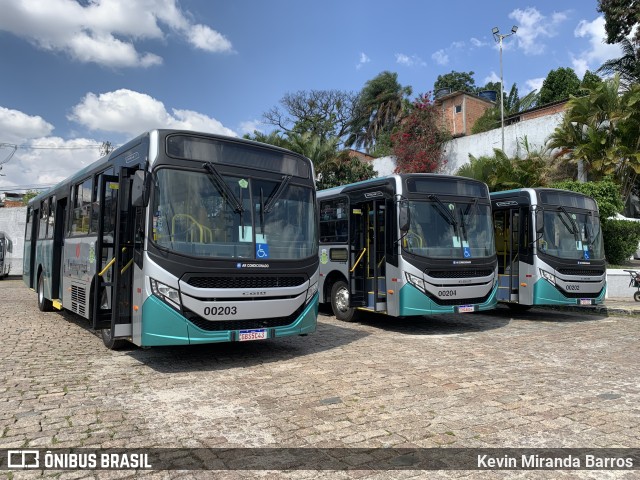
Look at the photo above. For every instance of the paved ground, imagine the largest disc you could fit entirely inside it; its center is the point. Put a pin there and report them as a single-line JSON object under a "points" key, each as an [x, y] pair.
{"points": [[544, 378]]}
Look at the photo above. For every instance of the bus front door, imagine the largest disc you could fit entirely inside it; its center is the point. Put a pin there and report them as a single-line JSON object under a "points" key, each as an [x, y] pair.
{"points": [[507, 230], [367, 279], [114, 257]]}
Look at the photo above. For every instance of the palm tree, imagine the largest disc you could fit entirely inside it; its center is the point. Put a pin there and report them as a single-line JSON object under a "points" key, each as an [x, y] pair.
{"points": [[602, 129], [379, 108], [627, 66]]}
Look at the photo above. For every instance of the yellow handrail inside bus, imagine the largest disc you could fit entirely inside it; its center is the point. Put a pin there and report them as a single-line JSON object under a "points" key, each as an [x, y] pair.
{"points": [[206, 234], [124, 269], [358, 261], [111, 262]]}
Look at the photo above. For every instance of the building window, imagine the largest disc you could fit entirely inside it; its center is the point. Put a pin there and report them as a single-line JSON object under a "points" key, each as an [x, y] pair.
{"points": [[458, 108]]}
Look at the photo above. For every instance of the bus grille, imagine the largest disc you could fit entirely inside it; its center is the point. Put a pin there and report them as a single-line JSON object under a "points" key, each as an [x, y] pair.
{"points": [[78, 299], [579, 295], [581, 271], [254, 281], [217, 326], [459, 273]]}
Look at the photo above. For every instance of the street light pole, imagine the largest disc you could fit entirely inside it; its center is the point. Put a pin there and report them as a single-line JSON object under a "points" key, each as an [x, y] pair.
{"points": [[498, 38]]}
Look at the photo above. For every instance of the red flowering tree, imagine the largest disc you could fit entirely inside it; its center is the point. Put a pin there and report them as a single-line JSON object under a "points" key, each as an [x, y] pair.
{"points": [[418, 141]]}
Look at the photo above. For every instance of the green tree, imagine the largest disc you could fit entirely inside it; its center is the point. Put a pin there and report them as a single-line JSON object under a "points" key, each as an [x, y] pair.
{"points": [[419, 139], [500, 172], [323, 113], [560, 84], [344, 170], [627, 66], [602, 130], [29, 195], [491, 118], [620, 16], [378, 110], [456, 81], [589, 81]]}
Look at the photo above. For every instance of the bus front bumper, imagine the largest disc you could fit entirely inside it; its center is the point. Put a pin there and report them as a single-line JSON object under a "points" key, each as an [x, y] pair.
{"points": [[414, 302], [162, 325]]}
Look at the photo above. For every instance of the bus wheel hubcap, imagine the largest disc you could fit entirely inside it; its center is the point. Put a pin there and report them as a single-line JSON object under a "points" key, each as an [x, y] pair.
{"points": [[342, 300]]}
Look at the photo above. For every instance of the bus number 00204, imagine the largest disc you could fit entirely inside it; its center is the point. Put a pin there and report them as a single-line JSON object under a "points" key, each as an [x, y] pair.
{"points": [[214, 311]]}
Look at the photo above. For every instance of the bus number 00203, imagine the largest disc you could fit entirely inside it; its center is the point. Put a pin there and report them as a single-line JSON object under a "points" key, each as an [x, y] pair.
{"points": [[215, 311]]}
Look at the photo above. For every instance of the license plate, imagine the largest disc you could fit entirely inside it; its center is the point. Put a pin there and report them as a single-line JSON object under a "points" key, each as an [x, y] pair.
{"points": [[248, 335], [585, 301], [465, 308]]}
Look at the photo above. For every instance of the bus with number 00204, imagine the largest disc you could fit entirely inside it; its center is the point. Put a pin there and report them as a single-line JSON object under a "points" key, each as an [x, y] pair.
{"points": [[550, 248], [180, 237], [406, 245]]}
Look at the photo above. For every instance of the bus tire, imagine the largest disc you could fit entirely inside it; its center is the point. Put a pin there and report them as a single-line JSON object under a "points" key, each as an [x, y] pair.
{"points": [[44, 305], [110, 342], [340, 302]]}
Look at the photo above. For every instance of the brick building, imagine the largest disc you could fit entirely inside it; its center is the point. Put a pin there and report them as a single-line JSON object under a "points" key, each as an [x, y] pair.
{"points": [[460, 110]]}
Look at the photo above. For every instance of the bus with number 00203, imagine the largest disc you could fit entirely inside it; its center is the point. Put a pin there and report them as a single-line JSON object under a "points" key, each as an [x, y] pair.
{"points": [[406, 245], [178, 238], [550, 248]]}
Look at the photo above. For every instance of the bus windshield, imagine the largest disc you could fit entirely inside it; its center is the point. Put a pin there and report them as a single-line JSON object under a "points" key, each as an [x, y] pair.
{"points": [[449, 229], [571, 234], [205, 214]]}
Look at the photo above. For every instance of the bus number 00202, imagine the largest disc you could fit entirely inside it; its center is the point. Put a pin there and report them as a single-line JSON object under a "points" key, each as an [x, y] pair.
{"points": [[214, 311]]}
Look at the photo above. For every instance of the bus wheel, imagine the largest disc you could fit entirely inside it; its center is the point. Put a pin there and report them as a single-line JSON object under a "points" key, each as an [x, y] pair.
{"points": [[110, 342], [636, 296], [43, 304], [340, 302]]}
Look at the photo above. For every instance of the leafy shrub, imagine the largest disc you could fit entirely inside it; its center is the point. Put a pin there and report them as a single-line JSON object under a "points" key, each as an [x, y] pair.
{"points": [[621, 239]]}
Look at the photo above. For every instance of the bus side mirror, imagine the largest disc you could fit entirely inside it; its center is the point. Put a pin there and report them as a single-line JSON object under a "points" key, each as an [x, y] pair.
{"points": [[138, 197], [404, 219], [539, 220]]}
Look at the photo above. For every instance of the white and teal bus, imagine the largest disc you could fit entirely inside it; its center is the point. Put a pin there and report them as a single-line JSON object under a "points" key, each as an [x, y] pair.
{"points": [[180, 237], [6, 247], [550, 248], [407, 245]]}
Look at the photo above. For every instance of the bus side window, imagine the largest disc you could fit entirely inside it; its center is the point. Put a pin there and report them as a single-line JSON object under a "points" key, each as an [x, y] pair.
{"points": [[81, 207], [44, 215], [51, 217]]}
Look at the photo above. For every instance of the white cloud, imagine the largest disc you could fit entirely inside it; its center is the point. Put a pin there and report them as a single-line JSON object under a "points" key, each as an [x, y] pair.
{"points": [[478, 43], [493, 77], [534, 28], [105, 31], [440, 57], [251, 126], [130, 112], [48, 160], [533, 84], [598, 51], [363, 59], [16, 126], [409, 61]]}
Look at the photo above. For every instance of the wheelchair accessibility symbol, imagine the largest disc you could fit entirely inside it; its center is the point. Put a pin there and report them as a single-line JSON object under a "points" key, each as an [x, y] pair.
{"points": [[467, 252], [262, 250]]}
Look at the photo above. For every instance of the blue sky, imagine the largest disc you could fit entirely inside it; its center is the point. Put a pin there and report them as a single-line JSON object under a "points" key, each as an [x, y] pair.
{"points": [[77, 73]]}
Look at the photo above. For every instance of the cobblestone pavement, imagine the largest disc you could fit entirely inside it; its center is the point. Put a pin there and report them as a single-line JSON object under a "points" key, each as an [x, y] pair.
{"points": [[543, 378]]}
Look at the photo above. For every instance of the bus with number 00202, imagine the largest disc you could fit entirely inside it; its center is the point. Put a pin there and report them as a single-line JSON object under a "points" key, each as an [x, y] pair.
{"points": [[550, 248], [407, 245], [180, 237]]}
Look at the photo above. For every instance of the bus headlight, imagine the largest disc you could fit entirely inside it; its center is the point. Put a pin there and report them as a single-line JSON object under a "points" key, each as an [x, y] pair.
{"points": [[416, 282], [311, 291], [167, 294], [549, 277]]}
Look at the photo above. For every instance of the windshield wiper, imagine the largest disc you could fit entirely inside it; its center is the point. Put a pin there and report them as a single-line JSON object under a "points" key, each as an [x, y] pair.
{"points": [[223, 188], [442, 210], [573, 228], [275, 196], [466, 218]]}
